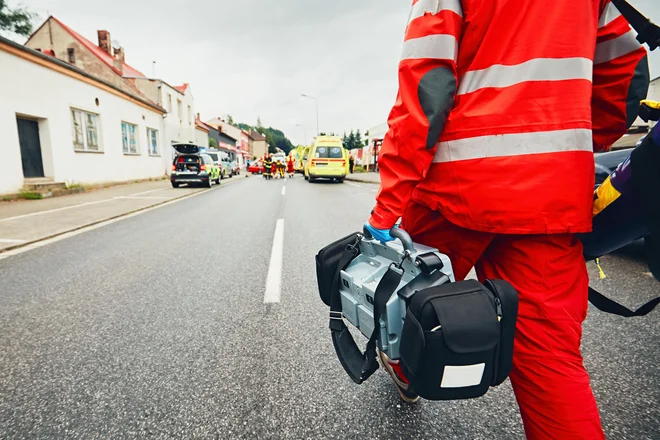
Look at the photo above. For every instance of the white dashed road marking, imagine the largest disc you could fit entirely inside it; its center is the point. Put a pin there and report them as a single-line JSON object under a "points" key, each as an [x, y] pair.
{"points": [[274, 278]]}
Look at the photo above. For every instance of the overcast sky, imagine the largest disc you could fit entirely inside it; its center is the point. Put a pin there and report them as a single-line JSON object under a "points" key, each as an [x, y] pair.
{"points": [[251, 58]]}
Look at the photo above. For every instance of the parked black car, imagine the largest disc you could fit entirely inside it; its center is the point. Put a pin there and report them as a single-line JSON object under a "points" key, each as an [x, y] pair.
{"points": [[191, 166], [607, 162]]}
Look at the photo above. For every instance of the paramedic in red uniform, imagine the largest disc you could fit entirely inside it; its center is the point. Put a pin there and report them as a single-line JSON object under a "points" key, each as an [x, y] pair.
{"points": [[290, 168], [489, 158]]}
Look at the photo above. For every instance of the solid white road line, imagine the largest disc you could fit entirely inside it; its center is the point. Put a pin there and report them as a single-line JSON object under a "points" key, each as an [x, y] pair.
{"points": [[147, 192], [274, 278], [54, 210], [142, 198], [284, 190], [66, 235], [8, 240]]}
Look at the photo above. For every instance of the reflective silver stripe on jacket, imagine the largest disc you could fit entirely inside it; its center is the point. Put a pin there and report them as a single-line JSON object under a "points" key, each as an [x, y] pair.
{"points": [[433, 7], [539, 69], [440, 47], [507, 145], [608, 15], [616, 47]]}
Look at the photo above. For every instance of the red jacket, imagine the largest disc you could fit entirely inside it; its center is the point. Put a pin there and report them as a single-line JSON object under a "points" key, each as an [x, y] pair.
{"points": [[492, 125]]}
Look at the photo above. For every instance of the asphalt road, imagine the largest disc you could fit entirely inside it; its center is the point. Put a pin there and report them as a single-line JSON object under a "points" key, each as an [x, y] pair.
{"points": [[156, 326]]}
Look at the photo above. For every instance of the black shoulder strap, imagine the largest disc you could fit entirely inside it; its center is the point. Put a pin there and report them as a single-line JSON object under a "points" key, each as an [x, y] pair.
{"points": [[607, 305], [359, 366], [648, 33]]}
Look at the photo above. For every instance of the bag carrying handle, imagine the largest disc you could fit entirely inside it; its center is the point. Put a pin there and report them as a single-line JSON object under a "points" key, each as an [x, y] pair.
{"points": [[395, 232]]}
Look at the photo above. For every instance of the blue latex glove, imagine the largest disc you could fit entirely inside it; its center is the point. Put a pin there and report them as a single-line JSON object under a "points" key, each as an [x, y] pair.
{"points": [[382, 235]]}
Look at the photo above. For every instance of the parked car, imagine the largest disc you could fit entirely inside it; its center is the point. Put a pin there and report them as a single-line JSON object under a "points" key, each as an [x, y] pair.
{"points": [[226, 166], [607, 162], [190, 166], [221, 159], [235, 169], [256, 167], [639, 142]]}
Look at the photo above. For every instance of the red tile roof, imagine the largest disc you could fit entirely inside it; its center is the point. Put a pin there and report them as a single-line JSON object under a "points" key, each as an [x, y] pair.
{"points": [[202, 126], [256, 136], [100, 53], [182, 89]]}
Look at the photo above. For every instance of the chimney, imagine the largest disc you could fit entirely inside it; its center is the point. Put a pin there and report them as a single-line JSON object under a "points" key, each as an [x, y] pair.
{"points": [[119, 53], [104, 41], [118, 64], [198, 117]]}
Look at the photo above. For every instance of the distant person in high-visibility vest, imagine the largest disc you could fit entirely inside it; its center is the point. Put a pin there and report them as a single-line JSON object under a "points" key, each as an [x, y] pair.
{"points": [[489, 158], [268, 166]]}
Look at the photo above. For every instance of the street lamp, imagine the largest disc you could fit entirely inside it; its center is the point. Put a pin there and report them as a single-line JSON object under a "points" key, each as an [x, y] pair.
{"points": [[305, 129], [317, 110]]}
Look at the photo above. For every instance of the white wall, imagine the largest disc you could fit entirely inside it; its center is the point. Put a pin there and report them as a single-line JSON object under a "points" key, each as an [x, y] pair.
{"points": [[43, 94], [201, 138], [178, 129]]}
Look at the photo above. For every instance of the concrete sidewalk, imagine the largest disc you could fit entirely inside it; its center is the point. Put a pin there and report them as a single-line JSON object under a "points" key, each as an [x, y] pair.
{"points": [[364, 178], [27, 221]]}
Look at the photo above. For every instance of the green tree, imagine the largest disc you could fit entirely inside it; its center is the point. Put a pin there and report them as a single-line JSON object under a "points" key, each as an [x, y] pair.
{"points": [[351, 141], [213, 143], [230, 120], [358, 139], [16, 20]]}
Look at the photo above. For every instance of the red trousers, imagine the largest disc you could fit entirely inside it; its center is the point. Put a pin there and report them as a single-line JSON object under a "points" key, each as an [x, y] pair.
{"points": [[548, 377]]}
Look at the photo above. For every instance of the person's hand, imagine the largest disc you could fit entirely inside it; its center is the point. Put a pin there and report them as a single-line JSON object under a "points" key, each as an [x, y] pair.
{"points": [[382, 235]]}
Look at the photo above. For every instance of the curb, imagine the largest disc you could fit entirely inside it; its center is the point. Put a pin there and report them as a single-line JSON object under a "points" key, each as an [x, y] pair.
{"points": [[124, 214], [371, 182]]}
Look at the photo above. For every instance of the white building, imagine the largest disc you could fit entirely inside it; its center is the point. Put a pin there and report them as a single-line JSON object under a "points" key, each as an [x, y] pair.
{"points": [[241, 152], [180, 105], [59, 122], [201, 134], [368, 155]]}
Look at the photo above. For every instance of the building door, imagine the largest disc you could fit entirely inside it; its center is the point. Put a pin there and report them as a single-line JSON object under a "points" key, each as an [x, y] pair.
{"points": [[28, 136]]}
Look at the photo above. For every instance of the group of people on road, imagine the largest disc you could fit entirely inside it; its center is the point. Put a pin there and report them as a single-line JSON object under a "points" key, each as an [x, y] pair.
{"points": [[276, 168]]}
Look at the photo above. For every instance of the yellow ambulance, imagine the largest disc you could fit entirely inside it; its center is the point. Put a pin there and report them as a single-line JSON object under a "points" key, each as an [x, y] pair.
{"points": [[327, 159]]}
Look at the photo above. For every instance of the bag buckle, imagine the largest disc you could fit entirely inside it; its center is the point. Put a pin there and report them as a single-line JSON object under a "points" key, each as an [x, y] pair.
{"points": [[337, 315], [351, 247], [406, 256]]}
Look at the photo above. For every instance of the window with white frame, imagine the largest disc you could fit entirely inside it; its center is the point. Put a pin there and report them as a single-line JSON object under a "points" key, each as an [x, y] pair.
{"points": [[179, 109], [129, 138], [169, 103], [152, 141], [85, 130], [189, 115]]}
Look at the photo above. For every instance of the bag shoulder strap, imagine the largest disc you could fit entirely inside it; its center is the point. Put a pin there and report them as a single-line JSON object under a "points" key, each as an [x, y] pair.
{"points": [[648, 32], [607, 305], [358, 365]]}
